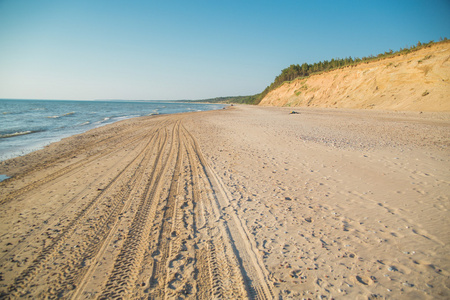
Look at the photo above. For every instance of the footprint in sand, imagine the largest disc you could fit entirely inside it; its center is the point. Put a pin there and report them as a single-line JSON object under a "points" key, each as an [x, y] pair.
{"points": [[365, 280]]}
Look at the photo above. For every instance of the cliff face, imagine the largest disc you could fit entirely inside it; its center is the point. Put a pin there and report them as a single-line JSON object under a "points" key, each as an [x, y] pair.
{"points": [[417, 81]]}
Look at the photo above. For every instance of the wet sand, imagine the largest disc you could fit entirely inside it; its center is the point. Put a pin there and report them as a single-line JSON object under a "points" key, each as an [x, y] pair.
{"points": [[247, 202]]}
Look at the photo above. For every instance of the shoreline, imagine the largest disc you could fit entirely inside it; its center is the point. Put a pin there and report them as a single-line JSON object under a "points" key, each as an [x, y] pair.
{"points": [[31, 125], [326, 202]]}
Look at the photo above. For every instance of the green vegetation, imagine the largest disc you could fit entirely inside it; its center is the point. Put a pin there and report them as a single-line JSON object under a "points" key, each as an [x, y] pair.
{"points": [[305, 70], [425, 58], [233, 99]]}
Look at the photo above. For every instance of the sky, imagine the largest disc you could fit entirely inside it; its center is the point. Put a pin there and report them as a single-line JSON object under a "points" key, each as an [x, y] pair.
{"points": [[173, 50]]}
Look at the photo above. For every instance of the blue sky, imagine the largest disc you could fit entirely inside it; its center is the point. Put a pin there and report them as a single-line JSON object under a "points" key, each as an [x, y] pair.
{"points": [[162, 50]]}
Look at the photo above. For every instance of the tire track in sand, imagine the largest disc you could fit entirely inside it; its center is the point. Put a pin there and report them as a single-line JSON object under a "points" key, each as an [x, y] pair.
{"points": [[251, 264], [121, 281], [217, 268], [167, 270], [58, 175], [217, 262], [86, 261], [57, 215], [159, 280], [183, 238], [54, 249]]}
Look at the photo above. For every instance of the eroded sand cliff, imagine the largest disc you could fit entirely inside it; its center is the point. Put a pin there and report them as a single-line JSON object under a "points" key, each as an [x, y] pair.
{"points": [[417, 81]]}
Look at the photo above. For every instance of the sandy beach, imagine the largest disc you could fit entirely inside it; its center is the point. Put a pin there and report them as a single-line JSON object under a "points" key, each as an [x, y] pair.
{"points": [[242, 203]]}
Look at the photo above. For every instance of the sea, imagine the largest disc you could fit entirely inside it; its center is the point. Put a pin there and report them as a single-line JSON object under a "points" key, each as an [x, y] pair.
{"points": [[30, 125]]}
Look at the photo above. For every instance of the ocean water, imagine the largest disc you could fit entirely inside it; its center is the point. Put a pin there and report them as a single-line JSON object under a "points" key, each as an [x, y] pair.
{"points": [[29, 125]]}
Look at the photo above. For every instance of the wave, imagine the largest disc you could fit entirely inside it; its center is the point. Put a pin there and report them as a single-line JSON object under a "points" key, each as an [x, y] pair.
{"points": [[154, 112], [85, 123], [103, 120], [125, 117], [8, 135], [64, 115]]}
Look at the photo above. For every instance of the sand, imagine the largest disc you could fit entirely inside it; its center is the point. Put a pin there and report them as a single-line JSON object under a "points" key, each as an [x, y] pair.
{"points": [[418, 81], [247, 202]]}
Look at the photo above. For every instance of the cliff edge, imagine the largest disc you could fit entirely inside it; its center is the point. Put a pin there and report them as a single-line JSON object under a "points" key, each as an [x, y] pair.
{"points": [[417, 81]]}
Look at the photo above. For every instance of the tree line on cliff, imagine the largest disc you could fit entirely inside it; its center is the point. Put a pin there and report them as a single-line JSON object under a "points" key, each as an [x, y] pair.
{"points": [[300, 71]]}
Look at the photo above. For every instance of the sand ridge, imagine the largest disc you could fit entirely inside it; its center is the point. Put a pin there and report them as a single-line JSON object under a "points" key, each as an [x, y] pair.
{"points": [[418, 81], [247, 202]]}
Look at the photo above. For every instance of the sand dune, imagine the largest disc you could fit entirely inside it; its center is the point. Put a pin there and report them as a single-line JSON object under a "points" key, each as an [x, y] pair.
{"points": [[418, 81], [243, 203]]}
